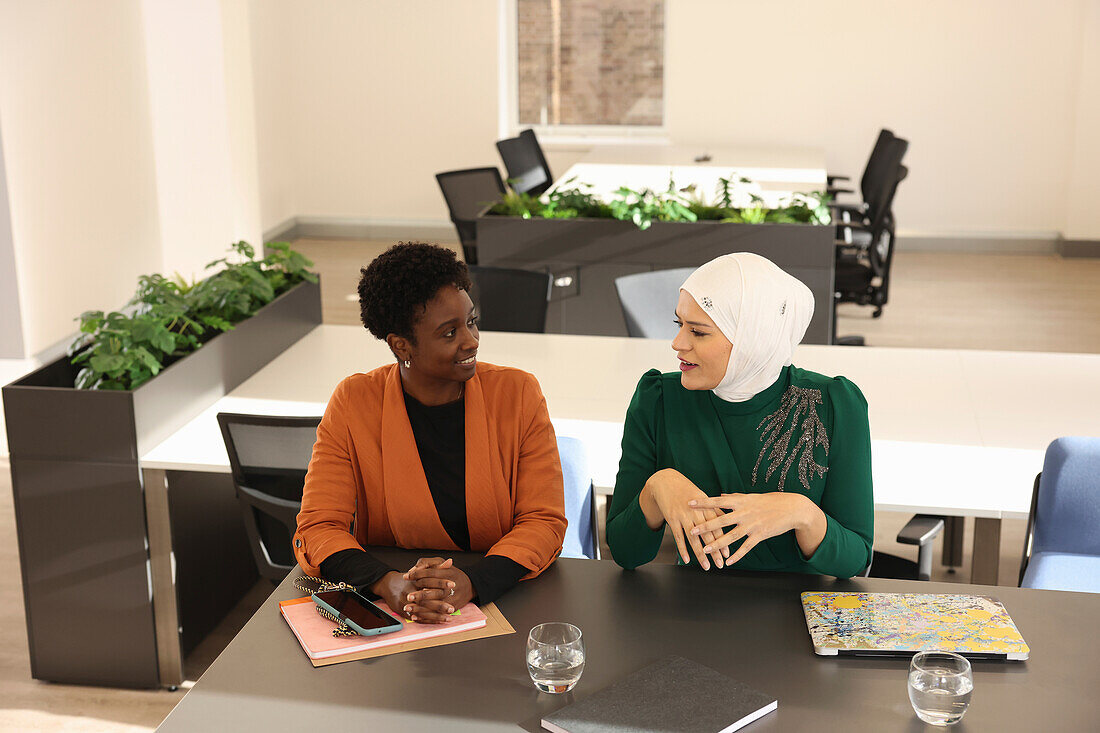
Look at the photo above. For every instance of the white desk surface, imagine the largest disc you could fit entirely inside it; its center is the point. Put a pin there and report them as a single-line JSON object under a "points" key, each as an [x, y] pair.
{"points": [[953, 432], [777, 172]]}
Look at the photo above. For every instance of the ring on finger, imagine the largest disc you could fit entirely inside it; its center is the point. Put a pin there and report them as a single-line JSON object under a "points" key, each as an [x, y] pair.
{"points": [[451, 593]]}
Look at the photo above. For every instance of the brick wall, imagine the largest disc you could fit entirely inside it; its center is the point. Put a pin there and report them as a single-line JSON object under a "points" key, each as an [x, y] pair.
{"points": [[586, 62]]}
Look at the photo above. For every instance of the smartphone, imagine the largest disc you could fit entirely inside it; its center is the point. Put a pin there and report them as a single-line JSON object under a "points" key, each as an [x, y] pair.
{"points": [[357, 612]]}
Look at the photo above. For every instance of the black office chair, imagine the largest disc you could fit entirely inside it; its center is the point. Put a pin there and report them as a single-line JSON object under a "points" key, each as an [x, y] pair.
{"points": [[528, 171], [863, 268], [511, 300], [921, 531], [872, 171], [467, 193], [269, 456]]}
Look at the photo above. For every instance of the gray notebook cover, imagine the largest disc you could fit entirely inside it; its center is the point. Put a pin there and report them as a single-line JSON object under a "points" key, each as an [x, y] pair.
{"points": [[674, 695]]}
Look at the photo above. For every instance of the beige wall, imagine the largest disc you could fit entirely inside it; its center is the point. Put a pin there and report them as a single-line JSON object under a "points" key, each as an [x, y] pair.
{"points": [[273, 59], [74, 109], [380, 97], [200, 87], [130, 146], [1083, 215], [983, 90], [988, 93]]}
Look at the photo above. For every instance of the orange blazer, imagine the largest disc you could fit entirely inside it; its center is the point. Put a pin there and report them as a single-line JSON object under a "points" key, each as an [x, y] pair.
{"points": [[365, 467]]}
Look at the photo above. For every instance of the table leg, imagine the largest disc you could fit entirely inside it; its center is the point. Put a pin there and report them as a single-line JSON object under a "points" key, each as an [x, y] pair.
{"points": [[987, 551], [163, 576], [953, 541]]}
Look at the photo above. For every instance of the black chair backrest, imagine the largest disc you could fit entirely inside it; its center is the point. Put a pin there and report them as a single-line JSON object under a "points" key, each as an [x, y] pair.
{"points": [[876, 163], [467, 193], [269, 456], [880, 196], [882, 248], [528, 171], [510, 300]]}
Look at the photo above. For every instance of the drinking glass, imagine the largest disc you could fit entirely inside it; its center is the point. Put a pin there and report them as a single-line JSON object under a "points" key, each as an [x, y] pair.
{"points": [[940, 685], [555, 656]]}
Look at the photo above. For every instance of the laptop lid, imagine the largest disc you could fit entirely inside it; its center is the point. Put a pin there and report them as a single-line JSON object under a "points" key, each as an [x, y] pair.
{"points": [[901, 624]]}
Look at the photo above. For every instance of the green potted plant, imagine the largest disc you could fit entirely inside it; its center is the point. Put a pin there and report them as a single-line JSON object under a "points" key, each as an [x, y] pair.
{"points": [[78, 426], [587, 242]]}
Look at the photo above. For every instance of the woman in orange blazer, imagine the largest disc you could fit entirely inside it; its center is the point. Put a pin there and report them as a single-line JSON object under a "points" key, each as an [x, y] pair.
{"points": [[435, 452]]}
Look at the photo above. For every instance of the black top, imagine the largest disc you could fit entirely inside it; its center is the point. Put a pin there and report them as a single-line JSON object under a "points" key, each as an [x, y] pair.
{"points": [[440, 433]]}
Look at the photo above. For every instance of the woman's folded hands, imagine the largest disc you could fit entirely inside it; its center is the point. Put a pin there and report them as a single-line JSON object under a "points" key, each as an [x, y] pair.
{"points": [[428, 592], [665, 499], [438, 588]]}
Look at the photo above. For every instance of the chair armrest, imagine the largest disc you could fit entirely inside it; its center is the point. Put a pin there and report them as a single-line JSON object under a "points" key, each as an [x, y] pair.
{"points": [[830, 179], [834, 191], [841, 206], [920, 530]]}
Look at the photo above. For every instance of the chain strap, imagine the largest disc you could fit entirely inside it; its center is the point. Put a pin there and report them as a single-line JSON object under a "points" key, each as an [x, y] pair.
{"points": [[341, 629]]}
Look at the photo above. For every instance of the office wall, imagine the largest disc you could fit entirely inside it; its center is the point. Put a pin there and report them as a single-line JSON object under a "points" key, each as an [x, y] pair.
{"points": [[379, 97], [200, 88], [273, 61], [987, 92], [1083, 216], [74, 109], [11, 318]]}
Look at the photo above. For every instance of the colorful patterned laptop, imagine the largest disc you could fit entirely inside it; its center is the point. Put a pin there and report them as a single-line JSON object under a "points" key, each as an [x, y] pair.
{"points": [[894, 624]]}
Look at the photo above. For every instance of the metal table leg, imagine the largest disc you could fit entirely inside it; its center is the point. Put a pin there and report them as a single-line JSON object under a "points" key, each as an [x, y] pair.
{"points": [[163, 572]]}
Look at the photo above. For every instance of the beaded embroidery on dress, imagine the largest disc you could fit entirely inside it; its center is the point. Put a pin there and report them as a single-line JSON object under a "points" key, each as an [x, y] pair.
{"points": [[799, 404]]}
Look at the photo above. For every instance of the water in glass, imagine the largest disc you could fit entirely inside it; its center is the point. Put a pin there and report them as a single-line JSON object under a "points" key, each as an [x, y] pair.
{"points": [[940, 687], [939, 703], [555, 656]]}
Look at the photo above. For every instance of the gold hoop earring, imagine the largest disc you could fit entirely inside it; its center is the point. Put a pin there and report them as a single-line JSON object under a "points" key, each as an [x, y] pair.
{"points": [[408, 363]]}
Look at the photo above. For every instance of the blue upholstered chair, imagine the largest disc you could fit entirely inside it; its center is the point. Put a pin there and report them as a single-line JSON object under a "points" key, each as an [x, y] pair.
{"points": [[582, 538], [648, 300], [1062, 548]]}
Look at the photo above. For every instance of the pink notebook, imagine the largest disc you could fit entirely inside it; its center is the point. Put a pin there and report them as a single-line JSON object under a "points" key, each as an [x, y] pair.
{"points": [[314, 632]]}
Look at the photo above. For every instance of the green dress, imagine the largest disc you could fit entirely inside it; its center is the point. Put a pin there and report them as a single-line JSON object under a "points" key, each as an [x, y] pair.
{"points": [[806, 433]]}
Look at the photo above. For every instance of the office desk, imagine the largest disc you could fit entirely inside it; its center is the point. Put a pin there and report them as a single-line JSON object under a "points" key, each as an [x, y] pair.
{"points": [[777, 172], [748, 626], [956, 433]]}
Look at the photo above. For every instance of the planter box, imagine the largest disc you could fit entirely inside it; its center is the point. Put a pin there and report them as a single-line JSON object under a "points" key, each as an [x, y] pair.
{"points": [[596, 251], [78, 495]]}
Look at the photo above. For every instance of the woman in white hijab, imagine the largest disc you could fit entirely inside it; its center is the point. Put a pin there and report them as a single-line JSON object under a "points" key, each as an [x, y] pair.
{"points": [[750, 461]]}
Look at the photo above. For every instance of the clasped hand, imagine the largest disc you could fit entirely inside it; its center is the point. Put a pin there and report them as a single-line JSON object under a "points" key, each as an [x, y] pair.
{"points": [[428, 592], [754, 517], [699, 522]]}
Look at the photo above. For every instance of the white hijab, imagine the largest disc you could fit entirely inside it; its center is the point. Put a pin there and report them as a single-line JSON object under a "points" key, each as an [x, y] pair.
{"points": [[763, 311]]}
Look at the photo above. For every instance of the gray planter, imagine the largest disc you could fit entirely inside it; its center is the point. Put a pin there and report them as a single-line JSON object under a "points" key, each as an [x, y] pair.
{"points": [[78, 495], [596, 251]]}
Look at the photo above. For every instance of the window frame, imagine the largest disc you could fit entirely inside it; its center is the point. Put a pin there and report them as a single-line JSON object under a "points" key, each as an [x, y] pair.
{"points": [[567, 135]]}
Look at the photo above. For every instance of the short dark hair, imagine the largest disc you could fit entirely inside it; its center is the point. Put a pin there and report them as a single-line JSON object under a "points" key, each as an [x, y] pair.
{"points": [[395, 287]]}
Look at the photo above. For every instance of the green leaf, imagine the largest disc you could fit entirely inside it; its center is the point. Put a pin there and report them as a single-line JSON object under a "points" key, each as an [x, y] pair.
{"points": [[107, 362], [143, 330], [148, 359], [215, 322], [164, 340]]}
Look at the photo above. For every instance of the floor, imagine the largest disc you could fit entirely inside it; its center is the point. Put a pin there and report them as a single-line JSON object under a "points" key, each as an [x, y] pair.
{"points": [[1015, 302]]}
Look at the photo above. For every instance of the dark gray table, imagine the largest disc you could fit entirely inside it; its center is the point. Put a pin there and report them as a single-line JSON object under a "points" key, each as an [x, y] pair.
{"points": [[749, 626]]}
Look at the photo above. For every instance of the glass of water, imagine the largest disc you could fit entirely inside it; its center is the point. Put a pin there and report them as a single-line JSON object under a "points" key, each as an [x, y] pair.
{"points": [[940, 685], [555, 656]]}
